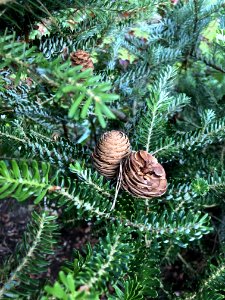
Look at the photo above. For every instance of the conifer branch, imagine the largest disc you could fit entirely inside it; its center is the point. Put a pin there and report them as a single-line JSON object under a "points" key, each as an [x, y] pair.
{"points": [[211, 286], [75, 199], [91, 180], [12, 137], [104, 266], [22, 182], [207, 283], [209, 63], [184, 227], [29, 255], [154, 113], [209, 134], [65, 81], [165, 147], [158, 106]]}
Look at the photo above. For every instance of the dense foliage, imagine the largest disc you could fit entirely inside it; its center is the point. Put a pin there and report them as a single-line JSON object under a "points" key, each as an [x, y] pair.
{"points": [[159, 76]]}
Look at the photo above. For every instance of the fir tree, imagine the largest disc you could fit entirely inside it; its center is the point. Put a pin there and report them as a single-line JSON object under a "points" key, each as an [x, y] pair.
{"points": [[158, 76]]}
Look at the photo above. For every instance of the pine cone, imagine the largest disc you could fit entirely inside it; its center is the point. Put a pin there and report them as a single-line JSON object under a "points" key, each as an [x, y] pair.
{"points": [[112, 147], [81, 58], [143, 176]]}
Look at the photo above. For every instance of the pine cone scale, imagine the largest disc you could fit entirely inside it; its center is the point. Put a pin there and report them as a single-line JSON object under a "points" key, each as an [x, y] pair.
{"points": [[114, 148], [133, 174], [159, 171]]}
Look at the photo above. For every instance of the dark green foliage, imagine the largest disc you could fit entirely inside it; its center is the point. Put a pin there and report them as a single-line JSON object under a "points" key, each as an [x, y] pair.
{"points": [[66, 290], [65, 81], [159, 77], [105, 263], [132, 291], [109, 260], [145, 269], [21, 271], [22, 182], [212, 287]]}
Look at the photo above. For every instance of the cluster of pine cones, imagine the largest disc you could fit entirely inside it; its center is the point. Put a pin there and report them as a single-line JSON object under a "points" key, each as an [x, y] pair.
{"points": [[141, 174]]}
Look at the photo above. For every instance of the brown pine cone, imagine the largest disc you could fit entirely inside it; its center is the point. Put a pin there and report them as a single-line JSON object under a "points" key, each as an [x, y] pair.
{"points": [[112, 147], [143, 176], [81, 58]]}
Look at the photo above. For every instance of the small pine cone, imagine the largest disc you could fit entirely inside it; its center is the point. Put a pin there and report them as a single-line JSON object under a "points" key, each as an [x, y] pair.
{"points": [[143, 176], [81, 58], [112, 147]]}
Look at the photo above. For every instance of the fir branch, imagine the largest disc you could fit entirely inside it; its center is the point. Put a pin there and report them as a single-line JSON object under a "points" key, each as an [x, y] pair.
{"points": [[26, 259], [186, 227], [212, 8], [30, 256], [2, 2], [196, 6], [14, 132], [90, 179], [210, 63], [78, 202], [161, 96], [102, 271], [157, 105], [128, 289], [82, 87], [160, 106], [211, 286], [216, 274], [38, 145], [12, 137], [22, 182], [166, 145], [208, 134], [216, 182], [106, 259]]}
